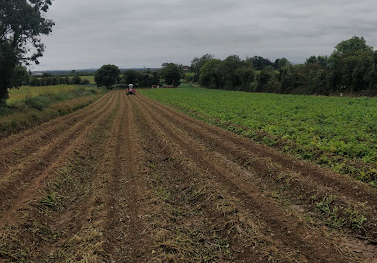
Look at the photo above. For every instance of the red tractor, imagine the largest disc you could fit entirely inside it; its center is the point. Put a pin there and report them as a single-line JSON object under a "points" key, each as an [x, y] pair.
{"points": [[131, 89]]}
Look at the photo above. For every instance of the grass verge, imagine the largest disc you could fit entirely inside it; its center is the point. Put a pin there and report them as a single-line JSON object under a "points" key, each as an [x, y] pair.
{"points": [[31, 110]]}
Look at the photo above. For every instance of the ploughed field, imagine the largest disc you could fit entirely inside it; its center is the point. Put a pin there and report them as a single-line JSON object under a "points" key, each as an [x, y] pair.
{"points": [[127, 179]]}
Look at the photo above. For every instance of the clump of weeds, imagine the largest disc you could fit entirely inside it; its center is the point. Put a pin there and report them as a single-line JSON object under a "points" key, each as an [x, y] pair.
{"points": [[338, 217]]}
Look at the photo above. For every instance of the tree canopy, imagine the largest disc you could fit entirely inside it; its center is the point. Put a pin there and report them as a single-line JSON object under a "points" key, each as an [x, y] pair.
{"points": [[107, 75], [171, 73], [231, 73], [260, 63], [349, 46], [22, 23], [197, 63], [210, 75], [350, 69], [130, 76]]}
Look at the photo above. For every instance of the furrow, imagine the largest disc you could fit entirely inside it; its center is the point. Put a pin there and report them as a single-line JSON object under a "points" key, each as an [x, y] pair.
{"points": [[274, 173], [290, 231], [28, 177], [18, 148]]}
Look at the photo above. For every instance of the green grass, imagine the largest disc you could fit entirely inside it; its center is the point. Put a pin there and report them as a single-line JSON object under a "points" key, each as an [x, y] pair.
{"points": [[90, 78], [339, 133], [18, 95], [30, 106]]}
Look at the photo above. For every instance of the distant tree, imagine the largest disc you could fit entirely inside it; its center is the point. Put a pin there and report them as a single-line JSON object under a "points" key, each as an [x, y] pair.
{"points": [[144, 80], [130, 76], [281, 63], [54, 81], [247, 76], [197, 64], [21, 24], [46, 81], [350, 64], [320, 60], [228, 70], [107, 75], [260, 63], [63, 80], [349, 46], [351, 68], [66, 80], [311, 60], [84, 82], [232, 73], [76, 79], [34, 81], [355, 70], [267, 81], [46, 75], [155, 78], [210, 76], [172, 73], [323, 61]]}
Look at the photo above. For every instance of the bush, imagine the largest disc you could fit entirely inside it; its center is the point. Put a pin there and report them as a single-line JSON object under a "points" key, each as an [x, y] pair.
{"points": [[38, 103], [76, 80], [84, 82]]}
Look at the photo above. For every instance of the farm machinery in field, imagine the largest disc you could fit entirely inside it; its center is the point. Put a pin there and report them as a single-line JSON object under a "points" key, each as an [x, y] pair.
{"points": [[131, 89]]}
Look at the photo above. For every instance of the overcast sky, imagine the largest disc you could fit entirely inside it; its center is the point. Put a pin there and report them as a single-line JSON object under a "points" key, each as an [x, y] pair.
{"points": [[137, 33]]}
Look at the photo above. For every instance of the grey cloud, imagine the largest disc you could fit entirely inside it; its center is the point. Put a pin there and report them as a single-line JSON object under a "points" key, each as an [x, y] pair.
{"points": [[90, 33]]}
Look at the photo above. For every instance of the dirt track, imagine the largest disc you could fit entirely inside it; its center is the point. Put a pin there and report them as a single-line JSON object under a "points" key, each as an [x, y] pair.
{"points": [[129, 180]]}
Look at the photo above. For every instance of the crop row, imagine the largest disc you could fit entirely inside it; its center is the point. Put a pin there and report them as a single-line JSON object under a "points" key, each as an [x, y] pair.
{"points": [[336, 132]]}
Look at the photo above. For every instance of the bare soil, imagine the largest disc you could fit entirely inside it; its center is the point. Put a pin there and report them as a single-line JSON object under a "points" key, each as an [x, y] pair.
{"points": [[127, 179]]}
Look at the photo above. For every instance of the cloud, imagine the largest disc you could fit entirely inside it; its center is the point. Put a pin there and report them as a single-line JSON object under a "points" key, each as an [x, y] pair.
{"points": [[90, 33]]}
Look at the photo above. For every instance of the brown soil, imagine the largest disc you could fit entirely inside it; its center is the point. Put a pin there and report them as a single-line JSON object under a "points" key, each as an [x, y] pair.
{"points": [[130, 180]]}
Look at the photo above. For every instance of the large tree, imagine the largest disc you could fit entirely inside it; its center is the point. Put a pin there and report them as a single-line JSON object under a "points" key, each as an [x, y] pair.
{"points": [[197, 64], [228, 71], [171, 73], [260, 63], [350, 64], [210, 76], [282, 63], [130, 76], [22, 23], [107, 75], [349, 46]]}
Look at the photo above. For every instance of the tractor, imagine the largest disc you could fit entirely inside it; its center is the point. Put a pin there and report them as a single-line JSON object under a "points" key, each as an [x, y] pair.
{"points": [[131, 89]]}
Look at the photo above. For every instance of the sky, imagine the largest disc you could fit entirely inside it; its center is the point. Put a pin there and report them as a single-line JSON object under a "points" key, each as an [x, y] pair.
{"points": [[148, 33]]}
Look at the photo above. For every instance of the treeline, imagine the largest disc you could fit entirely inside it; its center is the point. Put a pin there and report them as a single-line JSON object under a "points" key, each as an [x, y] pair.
{"points": [[51, 81], [140, 78], [22, 77], [169, 74], [350, 69]]}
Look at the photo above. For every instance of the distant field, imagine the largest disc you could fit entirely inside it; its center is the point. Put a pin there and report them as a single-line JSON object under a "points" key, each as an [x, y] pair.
{"points": [[16, 95], [90, 78], [339, 133]]}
